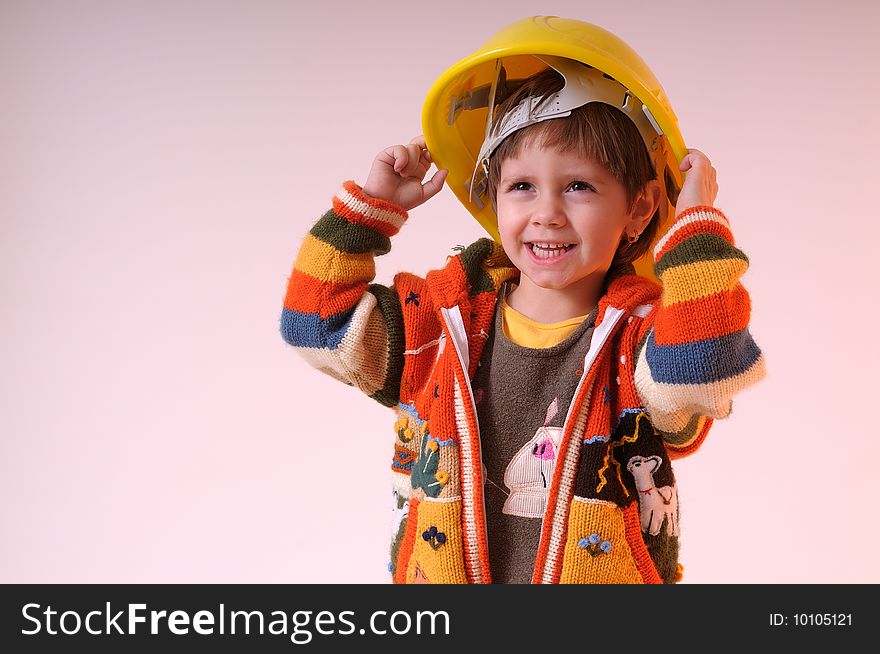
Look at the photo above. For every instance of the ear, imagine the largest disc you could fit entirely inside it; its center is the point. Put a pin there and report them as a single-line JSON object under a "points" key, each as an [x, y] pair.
{"points": [[645, 206]]}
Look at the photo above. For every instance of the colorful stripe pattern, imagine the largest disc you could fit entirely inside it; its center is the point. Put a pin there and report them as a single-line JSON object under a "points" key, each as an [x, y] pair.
{"points": [[680, 352], [698, 352], [338, 321]]}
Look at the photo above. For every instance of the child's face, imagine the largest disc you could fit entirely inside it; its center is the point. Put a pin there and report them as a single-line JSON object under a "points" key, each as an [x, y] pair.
{"points": [[558, 198]]}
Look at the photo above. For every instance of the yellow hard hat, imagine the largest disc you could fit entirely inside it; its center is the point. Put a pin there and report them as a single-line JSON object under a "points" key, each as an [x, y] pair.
{"points": [[455, 116]]}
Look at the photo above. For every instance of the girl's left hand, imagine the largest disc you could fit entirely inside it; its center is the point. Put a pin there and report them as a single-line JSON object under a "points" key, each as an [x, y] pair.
{"points": [[700, 187]]}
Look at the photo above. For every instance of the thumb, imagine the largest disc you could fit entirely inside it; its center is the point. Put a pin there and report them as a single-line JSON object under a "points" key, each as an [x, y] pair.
{"points": [[433, 186], [685, 163]]}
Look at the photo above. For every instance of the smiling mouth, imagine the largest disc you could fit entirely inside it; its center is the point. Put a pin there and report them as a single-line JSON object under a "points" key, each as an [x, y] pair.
{"points": [[549, 250]]}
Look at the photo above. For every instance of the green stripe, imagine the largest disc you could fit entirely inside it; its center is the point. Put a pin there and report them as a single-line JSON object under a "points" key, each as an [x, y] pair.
{"points": [[683, 437], [664, 552], [392, 316], [472, 259], [348, 237], [702, 247]]}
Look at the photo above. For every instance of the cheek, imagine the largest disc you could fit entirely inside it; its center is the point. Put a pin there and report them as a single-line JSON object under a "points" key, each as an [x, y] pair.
{"points": [[604, 234], [510, 244], [507, 228]]}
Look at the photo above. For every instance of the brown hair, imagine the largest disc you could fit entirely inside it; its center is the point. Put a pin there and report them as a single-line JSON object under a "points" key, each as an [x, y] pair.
{"points": [[596, 131]]}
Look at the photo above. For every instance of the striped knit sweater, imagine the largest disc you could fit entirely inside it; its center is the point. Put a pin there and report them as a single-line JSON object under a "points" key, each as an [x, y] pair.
{"points": [[663, 363]]}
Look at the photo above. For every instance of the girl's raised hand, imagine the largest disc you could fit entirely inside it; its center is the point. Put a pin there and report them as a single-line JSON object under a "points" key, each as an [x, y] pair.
{"points": [[397, 174], [699, 187]]}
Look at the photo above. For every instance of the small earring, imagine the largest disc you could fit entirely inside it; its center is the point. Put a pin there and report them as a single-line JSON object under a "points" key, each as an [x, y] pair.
{"points": [[632, 238]]}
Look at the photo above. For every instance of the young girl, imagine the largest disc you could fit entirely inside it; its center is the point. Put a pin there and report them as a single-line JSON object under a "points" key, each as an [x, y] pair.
{"points": [[541, 387]]}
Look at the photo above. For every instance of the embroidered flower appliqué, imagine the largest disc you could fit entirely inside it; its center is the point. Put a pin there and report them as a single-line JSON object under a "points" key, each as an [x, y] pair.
{"points": [[595, 545], [434, 537]]}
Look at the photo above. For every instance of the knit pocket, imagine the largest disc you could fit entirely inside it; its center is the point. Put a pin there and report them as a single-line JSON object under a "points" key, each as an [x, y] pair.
{"points": [[437, 555], [604, 545]]}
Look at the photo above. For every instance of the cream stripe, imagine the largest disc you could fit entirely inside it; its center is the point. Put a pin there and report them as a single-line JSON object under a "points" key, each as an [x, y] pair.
{"points": [[368, 210], [358, 359], [401, 483], [697, 216], [671, 406], [423, 347], [560, 515], [440, 500], [458, 334], [471, 547]]}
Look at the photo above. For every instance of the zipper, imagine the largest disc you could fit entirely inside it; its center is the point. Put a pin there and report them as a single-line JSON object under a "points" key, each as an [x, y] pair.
{"points": [[458, 335], [597, 343]]}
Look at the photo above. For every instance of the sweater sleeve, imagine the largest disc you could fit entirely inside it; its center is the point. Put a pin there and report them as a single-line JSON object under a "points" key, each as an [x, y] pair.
{"points": [[336, 319], [698, 352]]}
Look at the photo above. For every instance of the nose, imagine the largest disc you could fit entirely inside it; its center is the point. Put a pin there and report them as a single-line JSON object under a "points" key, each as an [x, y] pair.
{"points": [[549, 211]]}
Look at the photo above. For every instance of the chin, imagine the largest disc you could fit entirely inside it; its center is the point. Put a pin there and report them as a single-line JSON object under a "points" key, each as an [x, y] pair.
{"points": [[550, 284]]}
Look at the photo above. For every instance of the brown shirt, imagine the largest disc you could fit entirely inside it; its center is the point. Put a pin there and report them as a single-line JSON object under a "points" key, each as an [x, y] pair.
{"points": [[522, 397]]}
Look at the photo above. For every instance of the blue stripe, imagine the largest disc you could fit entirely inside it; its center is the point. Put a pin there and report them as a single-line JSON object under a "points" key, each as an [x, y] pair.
{"points": [[701, 362], [310, 330], [411, 410]]}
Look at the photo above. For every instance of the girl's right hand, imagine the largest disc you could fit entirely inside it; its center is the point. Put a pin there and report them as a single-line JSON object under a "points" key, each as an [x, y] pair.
{"points": [[397, 174]]}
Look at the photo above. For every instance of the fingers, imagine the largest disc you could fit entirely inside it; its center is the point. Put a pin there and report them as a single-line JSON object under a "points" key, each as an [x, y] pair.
{"points": [[401, 158], [416, 160], [420, 142], [433, 186], [700, 186], [411, 160], [695, 158]]}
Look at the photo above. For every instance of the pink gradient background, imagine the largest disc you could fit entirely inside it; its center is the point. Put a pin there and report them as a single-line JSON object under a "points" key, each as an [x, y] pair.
{"points": [[161, 163]]}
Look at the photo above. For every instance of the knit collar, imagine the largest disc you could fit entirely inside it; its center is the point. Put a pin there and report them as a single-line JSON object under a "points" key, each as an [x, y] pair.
{"points": [[483, 267], [626, 292]]}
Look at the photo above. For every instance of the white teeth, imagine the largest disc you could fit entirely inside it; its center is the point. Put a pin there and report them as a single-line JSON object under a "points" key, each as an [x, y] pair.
{"points": [[549, 245], [549, 250]]}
